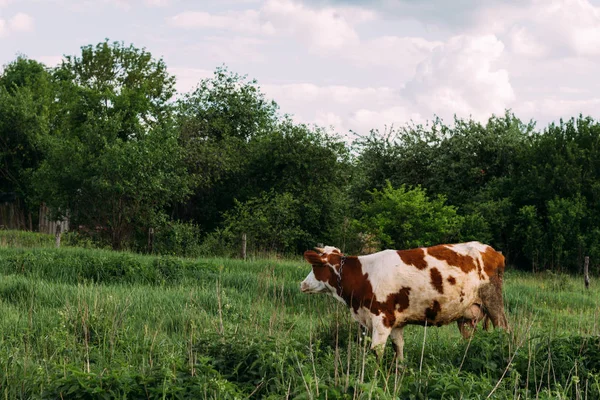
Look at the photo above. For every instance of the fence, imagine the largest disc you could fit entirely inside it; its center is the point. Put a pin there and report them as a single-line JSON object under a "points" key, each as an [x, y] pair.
{"points": [[12, 213], [49, 226]]}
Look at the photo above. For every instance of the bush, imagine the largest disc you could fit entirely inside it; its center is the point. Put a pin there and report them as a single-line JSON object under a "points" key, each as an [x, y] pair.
{"points": [[178, 238], [71, 265], [405, 218]]}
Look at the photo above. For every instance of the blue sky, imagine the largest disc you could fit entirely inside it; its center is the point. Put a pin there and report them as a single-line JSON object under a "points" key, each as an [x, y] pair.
{"points": [[347, 64]]}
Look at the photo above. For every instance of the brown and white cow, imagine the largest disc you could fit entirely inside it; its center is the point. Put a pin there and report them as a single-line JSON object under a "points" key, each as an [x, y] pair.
{"points": [[434, 285]]}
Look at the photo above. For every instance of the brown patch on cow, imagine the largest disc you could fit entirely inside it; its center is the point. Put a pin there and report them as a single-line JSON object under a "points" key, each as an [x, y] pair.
{"points": [[432, 312], [452, 280], [313, 257], [493, 262], [395, 302], [444, 253], [322, 271], [414, 257], [462, 296], [357, 291], [436, 280]]}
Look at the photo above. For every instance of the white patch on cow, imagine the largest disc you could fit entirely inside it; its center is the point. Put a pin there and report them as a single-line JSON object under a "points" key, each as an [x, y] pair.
{"points": [[331, 249], [363, 316], [388, 274], [312, 285]]}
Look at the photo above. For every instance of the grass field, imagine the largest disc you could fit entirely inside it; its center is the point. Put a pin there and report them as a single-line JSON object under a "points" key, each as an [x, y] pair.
{"points": [[95, 324]]}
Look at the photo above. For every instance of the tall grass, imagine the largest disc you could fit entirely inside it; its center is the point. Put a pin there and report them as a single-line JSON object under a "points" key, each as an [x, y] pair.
{"points": [[77, 323]]}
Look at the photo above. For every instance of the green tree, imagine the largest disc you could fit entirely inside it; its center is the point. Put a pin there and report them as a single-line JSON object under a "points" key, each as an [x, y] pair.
{"points": [[114, 162], [271, 223], [530, 235], [25, 115], [118, 82], [216, 122], [567, 239], [405, 218]]}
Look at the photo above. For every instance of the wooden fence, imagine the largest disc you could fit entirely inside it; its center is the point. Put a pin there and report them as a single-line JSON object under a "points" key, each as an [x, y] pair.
{"points": [[12, 214], [48, 226]]}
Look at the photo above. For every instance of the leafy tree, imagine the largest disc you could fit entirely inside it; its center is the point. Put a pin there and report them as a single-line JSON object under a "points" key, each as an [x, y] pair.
{"points": [[565, 217], [25, 114], [405, 218], [216, 122], [114, 162], [529, 232], [271, 222], [313, 167], [118, 82]]}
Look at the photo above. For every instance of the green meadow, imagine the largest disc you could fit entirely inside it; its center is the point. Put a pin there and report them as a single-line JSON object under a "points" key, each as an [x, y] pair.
{"points": [[81, 323]]}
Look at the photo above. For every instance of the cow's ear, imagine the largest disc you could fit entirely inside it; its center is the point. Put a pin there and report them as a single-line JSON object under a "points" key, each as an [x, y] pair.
{"points": [[313, 258]]}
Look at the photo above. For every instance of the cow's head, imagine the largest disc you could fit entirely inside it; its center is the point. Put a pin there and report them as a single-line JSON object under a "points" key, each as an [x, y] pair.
{"points": [[323, 277]]}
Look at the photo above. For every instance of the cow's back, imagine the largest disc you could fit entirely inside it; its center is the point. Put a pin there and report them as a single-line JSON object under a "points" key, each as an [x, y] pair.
{"points": [[435, 285]]}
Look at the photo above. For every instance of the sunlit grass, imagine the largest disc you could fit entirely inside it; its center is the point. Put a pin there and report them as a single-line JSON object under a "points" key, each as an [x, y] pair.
{"points": [[104, 323]]}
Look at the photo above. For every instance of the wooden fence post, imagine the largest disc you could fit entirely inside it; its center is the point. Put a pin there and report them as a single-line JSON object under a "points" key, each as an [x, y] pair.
{"points": [[586, 266], [244, 246], [57, 236]]}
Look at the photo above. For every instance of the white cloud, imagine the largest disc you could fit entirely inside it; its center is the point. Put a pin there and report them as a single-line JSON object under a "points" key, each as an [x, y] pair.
{"points": [[344, 107], [552, 109], [459, 78], [363, 120], [325, 28], [4, 3], [188, 78], [50, 61], [399, 53], [555, 28], [21, 22], [248, 21], [158, 3], [523, 43]]}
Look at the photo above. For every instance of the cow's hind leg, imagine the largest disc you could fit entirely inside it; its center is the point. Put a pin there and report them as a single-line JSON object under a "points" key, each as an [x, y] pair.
{"points": [[491, 296], [398, 340]]}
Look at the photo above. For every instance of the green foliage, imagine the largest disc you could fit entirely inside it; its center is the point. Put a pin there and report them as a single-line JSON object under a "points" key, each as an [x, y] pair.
{"points": [[406, 218], [215, 123], [100, 138], [271, 223], [114, 161], [25, 117], [114, 82], [177, 239]]}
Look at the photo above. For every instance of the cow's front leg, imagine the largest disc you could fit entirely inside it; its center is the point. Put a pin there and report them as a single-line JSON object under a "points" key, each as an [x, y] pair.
{"points": [[398, 339], [380, 335]]}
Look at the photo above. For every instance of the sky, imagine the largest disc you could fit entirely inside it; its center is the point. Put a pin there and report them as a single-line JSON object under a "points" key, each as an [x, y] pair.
{"points": [[347, 65]]}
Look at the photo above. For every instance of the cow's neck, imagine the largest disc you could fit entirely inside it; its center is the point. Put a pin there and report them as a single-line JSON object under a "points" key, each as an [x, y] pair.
{"points": [[350, 285]]}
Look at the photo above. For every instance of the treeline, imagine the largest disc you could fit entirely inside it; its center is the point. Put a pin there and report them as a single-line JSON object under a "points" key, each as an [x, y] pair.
{"points": [[105, 139]]}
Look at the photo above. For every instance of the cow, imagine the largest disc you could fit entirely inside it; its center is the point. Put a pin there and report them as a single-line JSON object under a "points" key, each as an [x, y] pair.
{"points": [[435, 285]]}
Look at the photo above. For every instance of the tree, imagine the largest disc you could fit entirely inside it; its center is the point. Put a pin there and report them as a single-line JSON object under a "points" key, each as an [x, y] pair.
{"points": [[25, 114], [310, 165], [271, 222], [114, 162], [116, 82], [216, 121], [405, 218]]}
